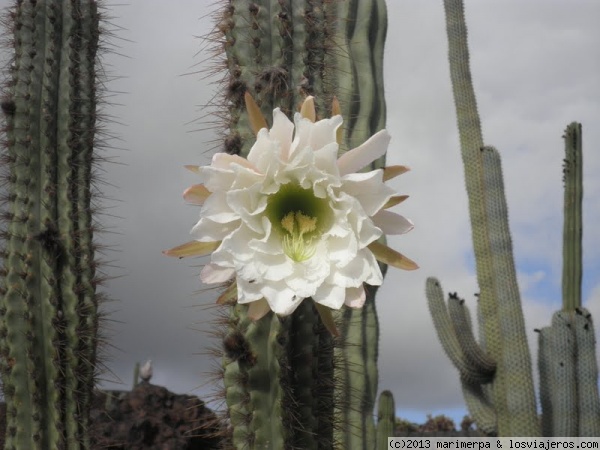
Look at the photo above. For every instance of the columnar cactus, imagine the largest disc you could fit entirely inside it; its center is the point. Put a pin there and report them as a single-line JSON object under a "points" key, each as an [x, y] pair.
{"points": [[279, 53], [507, 406], [386, 419], [363, 104], [48, 303], [496, 373], [567, 349]]}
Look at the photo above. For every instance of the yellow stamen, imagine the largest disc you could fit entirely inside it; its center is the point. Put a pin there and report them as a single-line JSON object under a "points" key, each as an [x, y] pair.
{"points": [[295, 244], [288, 222], [305, 223]]}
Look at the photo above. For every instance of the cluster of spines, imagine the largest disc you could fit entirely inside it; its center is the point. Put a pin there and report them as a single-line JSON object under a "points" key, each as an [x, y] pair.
{"points": [[48, 300], [279, 51]]}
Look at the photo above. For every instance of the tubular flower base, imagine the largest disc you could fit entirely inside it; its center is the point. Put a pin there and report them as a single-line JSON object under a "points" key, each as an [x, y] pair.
{"points": [[293, 220]]}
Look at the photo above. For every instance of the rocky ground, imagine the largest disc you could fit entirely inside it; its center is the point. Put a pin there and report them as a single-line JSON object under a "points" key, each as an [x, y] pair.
{"points": [[149, 417]]}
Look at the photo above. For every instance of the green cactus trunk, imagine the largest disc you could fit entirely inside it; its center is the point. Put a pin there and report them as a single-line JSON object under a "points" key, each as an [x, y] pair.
{"points": [[48, 302], [496, 378], [361, 93], [567, 349], [285, 385]]}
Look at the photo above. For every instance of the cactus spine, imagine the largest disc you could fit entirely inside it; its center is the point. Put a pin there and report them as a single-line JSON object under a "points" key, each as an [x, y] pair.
{"points": [[567, 349], [280, 52], [48, 302], [496, 378]]}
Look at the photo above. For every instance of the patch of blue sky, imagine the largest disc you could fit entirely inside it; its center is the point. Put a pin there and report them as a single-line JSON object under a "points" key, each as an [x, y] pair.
{"points": [[419, 417]]}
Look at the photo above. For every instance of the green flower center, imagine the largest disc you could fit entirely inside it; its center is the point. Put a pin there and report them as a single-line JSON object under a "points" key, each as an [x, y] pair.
{"points": [[300, 218]]}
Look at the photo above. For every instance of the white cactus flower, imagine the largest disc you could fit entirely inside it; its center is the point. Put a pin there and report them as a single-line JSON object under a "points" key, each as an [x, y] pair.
{"points": [[293, 220]]}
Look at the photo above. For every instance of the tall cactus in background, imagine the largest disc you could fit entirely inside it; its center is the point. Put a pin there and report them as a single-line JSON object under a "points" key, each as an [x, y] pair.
{"points": [[496, 373], [496, 376], [386, 419], [567, 349], [48, 300], [279, 53]]}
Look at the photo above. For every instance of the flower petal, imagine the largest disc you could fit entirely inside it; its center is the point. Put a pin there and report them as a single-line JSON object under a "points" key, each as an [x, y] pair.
{"points": [[392, 223], [359, 157], [258, 309], [330, 295], [390, 172], [207, 230], [217, 208], [282, 300], [212, 273], [196, 194], [391, 257], [327, 319], [282, 132], [227, 161], [355, 297], [307, 110], [324, 132], [193, 248], [191, 168], [394, 200], [336, 110], [257, 120], [363, 268], [228, 296], [368, 188]]}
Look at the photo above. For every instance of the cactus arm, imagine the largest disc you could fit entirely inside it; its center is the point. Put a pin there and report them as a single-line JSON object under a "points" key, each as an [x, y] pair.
{"points": [[471, 141], [463, 330], [448, 336], [572, 228], [478, 401]]}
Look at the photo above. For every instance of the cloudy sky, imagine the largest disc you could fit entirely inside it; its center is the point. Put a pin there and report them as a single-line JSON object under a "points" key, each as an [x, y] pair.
{"points": [[535, 66]]}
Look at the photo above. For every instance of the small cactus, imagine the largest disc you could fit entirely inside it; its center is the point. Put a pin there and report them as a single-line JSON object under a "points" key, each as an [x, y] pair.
{"points": [[386, 419]]}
